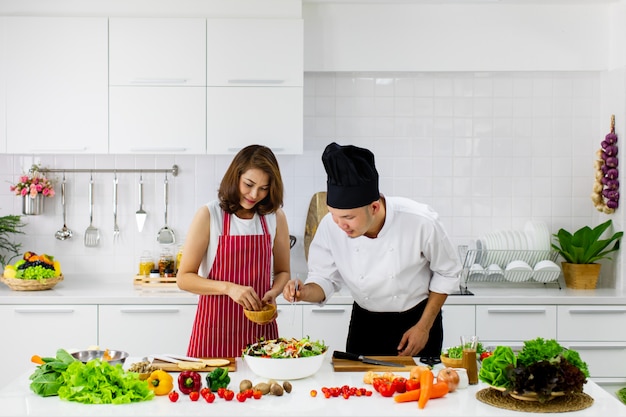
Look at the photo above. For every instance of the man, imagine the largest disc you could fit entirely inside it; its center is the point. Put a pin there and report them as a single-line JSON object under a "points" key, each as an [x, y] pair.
{"points": [[392, 253]]}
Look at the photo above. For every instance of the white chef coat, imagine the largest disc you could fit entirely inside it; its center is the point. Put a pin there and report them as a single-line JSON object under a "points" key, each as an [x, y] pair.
{"points": [[237, 227], [393, 272]]}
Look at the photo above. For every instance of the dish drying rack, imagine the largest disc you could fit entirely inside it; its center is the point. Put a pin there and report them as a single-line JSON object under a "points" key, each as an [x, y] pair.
{"points": [[502, 258]]}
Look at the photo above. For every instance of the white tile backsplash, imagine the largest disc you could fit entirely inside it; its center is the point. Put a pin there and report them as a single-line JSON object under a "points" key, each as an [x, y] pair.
{"points": [[486, 150]]}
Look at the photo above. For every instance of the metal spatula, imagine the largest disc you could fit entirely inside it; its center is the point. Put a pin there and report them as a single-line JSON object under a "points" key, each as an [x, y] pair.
{"points": [[140, 214], [166, 235], [92, 234]]}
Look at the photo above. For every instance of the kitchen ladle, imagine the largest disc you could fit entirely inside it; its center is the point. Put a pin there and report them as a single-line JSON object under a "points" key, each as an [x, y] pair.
{"points": [[166, 235], [64, 232]]}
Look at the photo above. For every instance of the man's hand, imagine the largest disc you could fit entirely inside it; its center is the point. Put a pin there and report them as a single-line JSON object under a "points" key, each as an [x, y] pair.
{"points": [[413, 341]]}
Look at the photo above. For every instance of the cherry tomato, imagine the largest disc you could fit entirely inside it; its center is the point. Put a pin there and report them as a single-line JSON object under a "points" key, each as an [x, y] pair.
{"points": [[220, 392], [173, 396], [241, 396], [194, 395], [376, 382], [399, 384], [209, 397], [257, 394], [229, 395], [412, 384], [313, 393], [368, 393], [249, 393], [485, 355], [204, 391]]}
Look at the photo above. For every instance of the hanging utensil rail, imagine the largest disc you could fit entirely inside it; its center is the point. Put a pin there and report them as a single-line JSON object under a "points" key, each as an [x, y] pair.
{"points": [[173, 170]]}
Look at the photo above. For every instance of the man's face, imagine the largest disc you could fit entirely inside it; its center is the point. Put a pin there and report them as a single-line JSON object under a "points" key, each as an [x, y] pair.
{"points": [[355, 222]]}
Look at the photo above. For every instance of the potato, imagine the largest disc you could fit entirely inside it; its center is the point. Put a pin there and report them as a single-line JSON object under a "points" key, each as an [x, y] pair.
{"points": [[287, 387], [276, 389], [245, 384], [264, 387]]}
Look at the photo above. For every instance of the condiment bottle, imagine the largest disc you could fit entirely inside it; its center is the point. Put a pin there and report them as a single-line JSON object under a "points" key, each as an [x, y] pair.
{"points": [[154, 273], [166, 261], [470, 361], [146, 263], [179, 256]]}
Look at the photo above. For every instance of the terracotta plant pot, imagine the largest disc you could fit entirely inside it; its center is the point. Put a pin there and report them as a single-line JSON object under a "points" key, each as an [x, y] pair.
{"points": [[581, 276]]}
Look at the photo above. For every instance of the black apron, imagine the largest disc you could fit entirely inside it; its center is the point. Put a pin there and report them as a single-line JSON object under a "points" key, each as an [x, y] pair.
{"points": [[379, 334]]}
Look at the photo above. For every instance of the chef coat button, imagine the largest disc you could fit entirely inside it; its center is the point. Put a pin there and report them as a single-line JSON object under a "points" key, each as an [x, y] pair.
{"points": [[390, 249]]}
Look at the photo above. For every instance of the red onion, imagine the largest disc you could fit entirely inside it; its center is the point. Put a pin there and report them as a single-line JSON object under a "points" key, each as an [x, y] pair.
{"points": [[611, 161], [612, 173], [612, 204]]}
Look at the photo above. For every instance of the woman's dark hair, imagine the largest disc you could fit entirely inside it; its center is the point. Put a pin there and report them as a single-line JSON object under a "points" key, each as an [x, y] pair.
{"points": [[252, 156]]}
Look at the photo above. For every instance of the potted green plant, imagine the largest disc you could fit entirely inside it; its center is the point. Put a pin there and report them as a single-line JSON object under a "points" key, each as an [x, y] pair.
{"points": [[9, 226], [582, 250]]}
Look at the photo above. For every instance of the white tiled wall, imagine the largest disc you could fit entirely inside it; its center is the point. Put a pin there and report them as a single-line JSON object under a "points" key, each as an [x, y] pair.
{"points": [[486, 150]]}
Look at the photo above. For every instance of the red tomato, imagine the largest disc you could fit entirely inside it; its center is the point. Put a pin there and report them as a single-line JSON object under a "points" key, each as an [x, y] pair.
{"points": [[220, 392], [173, 396], [249, 393], [229, 394], [386, 389], [313, 393], [376, 383], [257, 394], [204, 391], [399, 384], [485, 355], [241, 396], [209, 397], [412, 384], [194, 395]]}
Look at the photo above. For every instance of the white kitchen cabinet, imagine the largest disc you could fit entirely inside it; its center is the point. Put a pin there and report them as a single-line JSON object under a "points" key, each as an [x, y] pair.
{"points": [[513, 324], [41, 330], [157, 120], [261, 52], [289, 321], [598, 334], [3, 61], [56, 85], [240, 116], [146, 329], [328, 323], [157, 51], [255, 85], [458, 320]]}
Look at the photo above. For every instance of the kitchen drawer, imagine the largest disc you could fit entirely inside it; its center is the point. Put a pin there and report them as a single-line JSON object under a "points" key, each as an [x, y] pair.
{"points": [[592, 323], [604, 359], [328, 323], [515, 323], [146, 329]]}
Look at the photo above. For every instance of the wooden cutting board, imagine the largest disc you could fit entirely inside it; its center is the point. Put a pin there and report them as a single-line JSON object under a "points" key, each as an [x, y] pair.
{"points": [[317, 210], [172, 367], [346, 365]]}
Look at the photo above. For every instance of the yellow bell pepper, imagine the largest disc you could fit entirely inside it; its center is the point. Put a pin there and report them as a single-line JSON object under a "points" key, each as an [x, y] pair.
{"points": [[160, 382]]}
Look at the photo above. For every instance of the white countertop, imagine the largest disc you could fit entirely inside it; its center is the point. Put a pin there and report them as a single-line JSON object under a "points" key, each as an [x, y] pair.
{"points": [[18, 400], [115, 289]]}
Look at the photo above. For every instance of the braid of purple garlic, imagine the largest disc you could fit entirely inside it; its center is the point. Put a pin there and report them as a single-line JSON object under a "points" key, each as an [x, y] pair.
{"points": [[605, 194]]}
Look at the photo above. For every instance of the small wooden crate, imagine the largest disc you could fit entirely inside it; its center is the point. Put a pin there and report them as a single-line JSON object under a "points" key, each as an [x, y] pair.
{"points": [[144, 281]]}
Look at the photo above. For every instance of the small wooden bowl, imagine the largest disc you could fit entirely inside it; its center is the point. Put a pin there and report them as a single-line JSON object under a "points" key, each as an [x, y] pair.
{"points": [[263, 316], [451, 362]]}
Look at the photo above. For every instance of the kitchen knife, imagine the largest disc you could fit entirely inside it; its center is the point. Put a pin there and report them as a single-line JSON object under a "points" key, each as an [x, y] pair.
{"points": [[354, 357]]}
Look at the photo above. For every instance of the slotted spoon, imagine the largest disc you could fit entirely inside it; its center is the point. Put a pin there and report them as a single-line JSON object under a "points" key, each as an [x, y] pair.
{"points": [[92, 234], [166, 235]]}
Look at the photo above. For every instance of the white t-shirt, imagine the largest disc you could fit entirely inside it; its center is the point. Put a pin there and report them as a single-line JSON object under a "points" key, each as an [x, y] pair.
{"points": [[237, 227], [411, 255]]}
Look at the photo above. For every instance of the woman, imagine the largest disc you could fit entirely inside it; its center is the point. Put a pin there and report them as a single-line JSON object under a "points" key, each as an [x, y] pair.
{"points": [[236, 256]]}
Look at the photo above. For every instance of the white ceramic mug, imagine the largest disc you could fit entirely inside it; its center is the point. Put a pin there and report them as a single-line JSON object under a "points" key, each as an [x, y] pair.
{"points": [[463, 380]]}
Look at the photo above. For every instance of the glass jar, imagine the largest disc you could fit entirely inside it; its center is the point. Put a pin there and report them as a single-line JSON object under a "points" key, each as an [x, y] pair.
{"points": [[179, 256], [154, 273], [166, 261], [146, 264]]}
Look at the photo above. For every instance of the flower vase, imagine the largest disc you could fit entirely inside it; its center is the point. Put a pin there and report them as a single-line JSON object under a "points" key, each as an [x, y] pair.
{"points": [[32, 206]]}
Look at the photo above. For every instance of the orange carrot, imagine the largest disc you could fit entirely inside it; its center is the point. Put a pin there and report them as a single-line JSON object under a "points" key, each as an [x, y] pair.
{"points": [[438, 390], [426, 384], [37, 359]]}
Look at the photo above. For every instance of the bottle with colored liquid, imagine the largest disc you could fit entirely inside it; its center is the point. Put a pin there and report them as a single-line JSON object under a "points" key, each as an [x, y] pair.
{"points": [[470, 361]]}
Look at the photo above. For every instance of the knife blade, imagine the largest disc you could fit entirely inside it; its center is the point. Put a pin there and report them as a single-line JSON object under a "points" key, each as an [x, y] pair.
{"points": [[354, 357]]}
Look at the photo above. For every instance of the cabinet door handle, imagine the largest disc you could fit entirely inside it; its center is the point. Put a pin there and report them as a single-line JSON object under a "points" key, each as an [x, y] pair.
{"points": [[594, 311], [516, 311], [36, 310], [159, 81], [68, 150], [149, 310], [158, 149], [328, 310], [253, 81], [576, 347]]}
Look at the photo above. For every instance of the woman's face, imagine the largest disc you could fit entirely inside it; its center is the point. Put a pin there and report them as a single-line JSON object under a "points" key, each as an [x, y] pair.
{"points": [[254, 185]]}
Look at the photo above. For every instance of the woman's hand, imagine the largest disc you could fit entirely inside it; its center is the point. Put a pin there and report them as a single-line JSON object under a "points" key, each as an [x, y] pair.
{"points": [[245, 296]]}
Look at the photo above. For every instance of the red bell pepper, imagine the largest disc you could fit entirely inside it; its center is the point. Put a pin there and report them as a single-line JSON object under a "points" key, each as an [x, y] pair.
{"points": [[189, 381]]}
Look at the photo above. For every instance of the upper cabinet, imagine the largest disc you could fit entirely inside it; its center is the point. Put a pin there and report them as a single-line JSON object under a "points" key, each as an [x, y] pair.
{"points": [[255, 84], [157, 51], [157, 77], [3, 61], [56, 85]]}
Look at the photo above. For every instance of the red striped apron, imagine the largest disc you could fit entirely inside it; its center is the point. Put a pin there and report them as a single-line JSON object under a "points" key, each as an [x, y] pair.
{"points": [[220, 328]]}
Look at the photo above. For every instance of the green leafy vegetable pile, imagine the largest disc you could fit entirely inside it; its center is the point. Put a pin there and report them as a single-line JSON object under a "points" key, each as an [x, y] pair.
{"points": [[99, 382], [456, 352], [541, 367], [285, 348], [46, 380]]}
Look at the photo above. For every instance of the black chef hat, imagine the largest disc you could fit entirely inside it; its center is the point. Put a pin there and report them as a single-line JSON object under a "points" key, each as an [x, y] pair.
{"points": [[352, 176]]}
